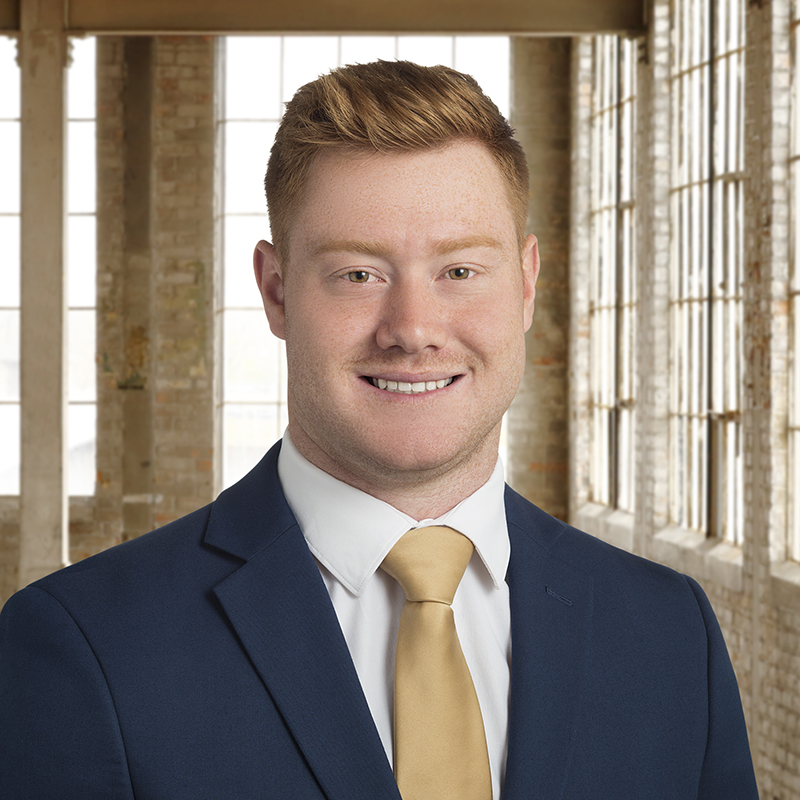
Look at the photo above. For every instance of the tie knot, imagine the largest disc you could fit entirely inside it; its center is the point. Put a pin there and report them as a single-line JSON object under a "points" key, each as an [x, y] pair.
{"points": [[429, 563]]}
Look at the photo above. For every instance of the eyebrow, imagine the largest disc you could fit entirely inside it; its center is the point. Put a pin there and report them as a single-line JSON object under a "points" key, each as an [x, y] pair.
{"points": [[441, 248]]}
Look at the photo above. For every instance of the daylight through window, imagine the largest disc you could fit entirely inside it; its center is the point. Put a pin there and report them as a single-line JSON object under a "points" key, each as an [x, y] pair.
{"points": [[613, 270], [706, 266], [252, 397]]}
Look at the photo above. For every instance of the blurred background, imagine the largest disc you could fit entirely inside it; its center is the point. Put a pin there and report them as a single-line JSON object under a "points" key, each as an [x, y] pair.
{"points": [[659, 409]]}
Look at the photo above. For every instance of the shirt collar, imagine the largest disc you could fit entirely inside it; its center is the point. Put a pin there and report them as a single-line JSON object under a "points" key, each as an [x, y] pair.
{"points": [[350, 532]]}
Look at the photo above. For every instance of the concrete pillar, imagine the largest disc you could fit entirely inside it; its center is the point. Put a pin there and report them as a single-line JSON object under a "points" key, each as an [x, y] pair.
{"points": [[538, 440], [43, 515]]}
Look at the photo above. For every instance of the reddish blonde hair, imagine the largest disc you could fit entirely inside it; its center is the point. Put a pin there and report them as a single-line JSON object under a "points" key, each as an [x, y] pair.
{"points": [[386, 106]]}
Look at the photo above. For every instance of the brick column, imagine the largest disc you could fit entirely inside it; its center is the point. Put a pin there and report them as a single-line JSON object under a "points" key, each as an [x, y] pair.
{"points": [[182, 231], [538, 439], [156, 151], [772, 691]]}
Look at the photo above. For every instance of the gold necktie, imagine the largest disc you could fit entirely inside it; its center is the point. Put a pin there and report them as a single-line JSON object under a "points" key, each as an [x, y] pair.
{"points": [[439, 742]]}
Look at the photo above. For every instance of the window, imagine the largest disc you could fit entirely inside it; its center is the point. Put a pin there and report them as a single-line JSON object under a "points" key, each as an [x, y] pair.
{"points": [[706, 266], [251, 404], [81, 268], [10, 271], [613, 270], [794, 411]]}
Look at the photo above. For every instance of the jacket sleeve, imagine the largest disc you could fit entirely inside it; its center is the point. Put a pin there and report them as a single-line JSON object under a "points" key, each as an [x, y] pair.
{"points": [[59, 732], [727, 772]]}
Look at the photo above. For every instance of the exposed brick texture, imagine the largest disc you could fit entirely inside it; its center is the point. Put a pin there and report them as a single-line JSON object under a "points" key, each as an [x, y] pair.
{"points": [[538, 442], [754, 590], [167, 360]]}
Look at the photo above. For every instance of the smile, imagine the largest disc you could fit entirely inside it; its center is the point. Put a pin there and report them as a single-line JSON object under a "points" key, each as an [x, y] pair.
{"points": [[410, 388]]}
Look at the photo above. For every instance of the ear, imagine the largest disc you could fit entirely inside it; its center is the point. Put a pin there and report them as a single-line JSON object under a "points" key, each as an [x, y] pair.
{"points": [[530, 272], [269, 278]]}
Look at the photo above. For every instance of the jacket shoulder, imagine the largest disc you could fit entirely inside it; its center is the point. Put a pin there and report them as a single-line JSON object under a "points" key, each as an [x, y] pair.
{"points": [[603, 563]]}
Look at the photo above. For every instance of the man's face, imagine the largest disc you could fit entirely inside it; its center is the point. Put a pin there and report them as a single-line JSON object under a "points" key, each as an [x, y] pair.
{"points": [[404, 307]]}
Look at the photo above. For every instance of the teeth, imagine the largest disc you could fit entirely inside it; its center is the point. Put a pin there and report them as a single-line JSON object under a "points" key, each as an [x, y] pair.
{"points": [[410, 388]]}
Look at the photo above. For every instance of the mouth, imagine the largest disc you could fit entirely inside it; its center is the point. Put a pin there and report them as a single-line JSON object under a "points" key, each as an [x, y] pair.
{"points": [[401, 387]]}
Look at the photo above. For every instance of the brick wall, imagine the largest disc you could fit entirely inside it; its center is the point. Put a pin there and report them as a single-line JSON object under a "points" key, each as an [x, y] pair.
{"points": [[155, 244], [755, 592], [155, 334], [538, 441], [182, 291]]}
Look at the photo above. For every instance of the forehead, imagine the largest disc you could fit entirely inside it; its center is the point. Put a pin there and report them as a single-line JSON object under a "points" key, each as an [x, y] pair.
{"points": [[447, 192]]}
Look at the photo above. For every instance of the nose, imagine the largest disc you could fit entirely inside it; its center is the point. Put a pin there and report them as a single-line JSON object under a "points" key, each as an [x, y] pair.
{"points": [[412, 319]]}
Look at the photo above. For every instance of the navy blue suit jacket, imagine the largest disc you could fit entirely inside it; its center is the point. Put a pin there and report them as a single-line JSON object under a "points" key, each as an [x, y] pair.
{"points": [[205, 660]]}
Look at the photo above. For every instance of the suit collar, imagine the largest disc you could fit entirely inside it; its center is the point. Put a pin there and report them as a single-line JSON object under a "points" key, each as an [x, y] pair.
{"points": [[282, 614], [280, 610], [250, 515], [551, 615]]}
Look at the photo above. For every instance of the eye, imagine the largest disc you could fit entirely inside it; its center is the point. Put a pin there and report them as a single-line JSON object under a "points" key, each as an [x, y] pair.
{"points": [[459, 273], [358, 276]]}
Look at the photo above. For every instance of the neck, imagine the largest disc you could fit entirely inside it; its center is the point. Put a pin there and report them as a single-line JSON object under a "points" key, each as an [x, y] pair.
{"points": [[422, 494]]}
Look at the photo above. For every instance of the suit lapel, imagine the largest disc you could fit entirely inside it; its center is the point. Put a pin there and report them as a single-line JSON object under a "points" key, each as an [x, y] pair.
{"points": [[551, 612], [281, 612]]}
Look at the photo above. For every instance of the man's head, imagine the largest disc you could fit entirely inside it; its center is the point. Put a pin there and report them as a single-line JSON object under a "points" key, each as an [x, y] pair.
{"points": [[400, 279], [386, 107]]}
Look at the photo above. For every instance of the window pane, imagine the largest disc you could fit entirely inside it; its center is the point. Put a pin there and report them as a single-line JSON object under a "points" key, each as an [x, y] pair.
{"points": [[9, 167], [82, 261], [487, 59], [9, 356], [81, 168], [252, 77], [9, 452], [81, 79], [305, 58], [81, 345], [426, 50], [363, 49], [241, 235], [10, 269], [250, 357], [9, 79], [248, 431], [81, 441], [247, 146]]}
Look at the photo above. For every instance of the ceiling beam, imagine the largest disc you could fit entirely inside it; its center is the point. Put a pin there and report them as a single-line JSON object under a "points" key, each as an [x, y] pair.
{"points": [[543, 17]]}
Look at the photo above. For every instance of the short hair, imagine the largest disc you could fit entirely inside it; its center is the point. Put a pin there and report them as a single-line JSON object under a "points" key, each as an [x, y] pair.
{"points": [[386, 106]]}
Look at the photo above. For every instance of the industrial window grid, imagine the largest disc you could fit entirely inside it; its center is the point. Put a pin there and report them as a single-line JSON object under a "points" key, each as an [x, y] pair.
{"points": [[794, 412], [81, 267], [251, 384], [10, 271], [707, 87], [81, 258], [613, 271]]}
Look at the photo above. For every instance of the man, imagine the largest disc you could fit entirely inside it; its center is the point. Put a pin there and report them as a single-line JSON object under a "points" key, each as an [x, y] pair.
{"points": [[248, 650]]}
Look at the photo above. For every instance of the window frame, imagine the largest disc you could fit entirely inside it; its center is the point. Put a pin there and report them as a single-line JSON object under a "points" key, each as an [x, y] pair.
{"points": [[706, 321], [612, 306]]}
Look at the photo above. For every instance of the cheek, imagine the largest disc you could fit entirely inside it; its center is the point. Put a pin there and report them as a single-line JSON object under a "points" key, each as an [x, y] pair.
{"points": [[496, 327]]}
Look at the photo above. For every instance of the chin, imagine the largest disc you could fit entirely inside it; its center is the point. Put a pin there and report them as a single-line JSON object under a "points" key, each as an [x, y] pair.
{"points": [[423, 459]]}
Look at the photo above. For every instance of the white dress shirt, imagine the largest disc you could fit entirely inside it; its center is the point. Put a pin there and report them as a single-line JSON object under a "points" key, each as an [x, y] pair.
{"points": [[350, 532]]}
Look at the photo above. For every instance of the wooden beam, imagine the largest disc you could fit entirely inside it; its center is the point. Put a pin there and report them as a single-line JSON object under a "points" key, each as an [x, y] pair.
{"points": [[545, 17], [358, 16], [9, 15]]}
